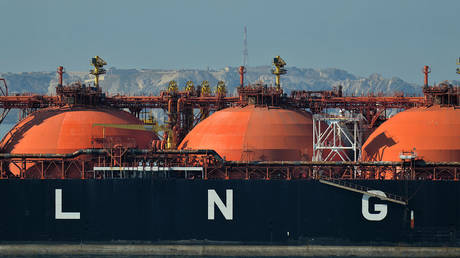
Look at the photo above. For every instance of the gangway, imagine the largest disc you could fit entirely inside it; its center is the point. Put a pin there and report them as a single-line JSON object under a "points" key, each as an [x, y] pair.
{"points": [[342, 184]]}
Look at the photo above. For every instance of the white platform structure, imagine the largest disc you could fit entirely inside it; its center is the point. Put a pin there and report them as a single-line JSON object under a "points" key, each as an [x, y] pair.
{"points": [[336, 137]]}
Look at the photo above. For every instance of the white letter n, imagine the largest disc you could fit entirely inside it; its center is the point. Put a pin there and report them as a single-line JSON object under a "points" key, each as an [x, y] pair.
{"points": [[226, 210], [58, 205]]}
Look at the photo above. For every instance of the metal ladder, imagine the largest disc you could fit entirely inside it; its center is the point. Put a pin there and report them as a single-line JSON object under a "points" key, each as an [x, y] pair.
{"points": [[362, 189]]}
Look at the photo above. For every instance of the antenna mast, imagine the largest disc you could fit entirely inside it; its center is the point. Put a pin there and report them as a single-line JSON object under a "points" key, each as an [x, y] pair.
{"points": [[245, 47]]}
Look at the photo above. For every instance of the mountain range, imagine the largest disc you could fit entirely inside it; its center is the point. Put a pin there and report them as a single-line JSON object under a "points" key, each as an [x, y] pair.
{"points": [[152, 81]]}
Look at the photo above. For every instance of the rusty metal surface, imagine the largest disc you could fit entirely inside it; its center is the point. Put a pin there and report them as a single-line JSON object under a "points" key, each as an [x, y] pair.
{"points": [[433, 133], [142, 163]]}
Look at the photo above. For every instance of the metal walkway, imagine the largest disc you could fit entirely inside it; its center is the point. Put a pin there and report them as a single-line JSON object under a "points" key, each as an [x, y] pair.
{"points": [[342, 184]]}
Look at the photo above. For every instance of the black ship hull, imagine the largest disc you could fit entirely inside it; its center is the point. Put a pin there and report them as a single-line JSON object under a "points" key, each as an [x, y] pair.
{"points": [[243, 211]]}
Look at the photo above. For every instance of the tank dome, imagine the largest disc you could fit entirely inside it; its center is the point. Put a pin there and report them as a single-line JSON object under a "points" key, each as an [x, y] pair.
{"points": [[254, 133], [68, 130], [65, 130], [434, 133]]}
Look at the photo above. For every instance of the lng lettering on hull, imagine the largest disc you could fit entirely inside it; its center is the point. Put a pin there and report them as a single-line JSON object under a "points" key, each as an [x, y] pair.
{"points": [[59, 214], [245, 211], [381, 210], [214, 201]]}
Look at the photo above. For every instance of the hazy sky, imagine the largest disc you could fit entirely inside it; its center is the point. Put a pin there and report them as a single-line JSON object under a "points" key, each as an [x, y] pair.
{"points": [[393, 38]]}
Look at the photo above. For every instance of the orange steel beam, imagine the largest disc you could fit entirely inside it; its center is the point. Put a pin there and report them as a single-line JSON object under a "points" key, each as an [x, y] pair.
{"points": [[41, 101], [46, 168], [355, 101], [158, 101], [28, 101], [368, 106]]}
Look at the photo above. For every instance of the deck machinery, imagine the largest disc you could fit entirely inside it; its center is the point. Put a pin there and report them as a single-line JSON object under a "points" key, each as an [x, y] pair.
{"points": [[188, 107]]}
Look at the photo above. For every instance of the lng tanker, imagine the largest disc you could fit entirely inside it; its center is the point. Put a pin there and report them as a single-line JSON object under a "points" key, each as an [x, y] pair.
{"points": [[259, 167]]}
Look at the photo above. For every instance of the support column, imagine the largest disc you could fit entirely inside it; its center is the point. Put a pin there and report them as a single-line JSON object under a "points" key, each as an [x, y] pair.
{"points": [[205, 169], [62, 169], [82, 169], [23, 169]]}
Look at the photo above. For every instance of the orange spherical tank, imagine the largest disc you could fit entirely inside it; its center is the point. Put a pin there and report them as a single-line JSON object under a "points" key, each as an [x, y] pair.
{"points": [[65, 130], [434, 133], [255, 133]]}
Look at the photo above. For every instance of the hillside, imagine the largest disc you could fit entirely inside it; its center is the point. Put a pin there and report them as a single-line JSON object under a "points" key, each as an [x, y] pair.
{"points": [[149, 81]]}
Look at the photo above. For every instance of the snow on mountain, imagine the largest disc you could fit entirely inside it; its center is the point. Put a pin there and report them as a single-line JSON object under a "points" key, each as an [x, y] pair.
{"points": [[152, 81]]}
